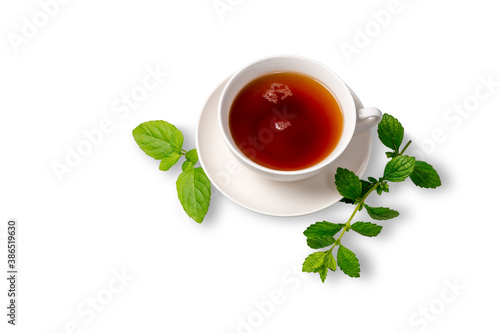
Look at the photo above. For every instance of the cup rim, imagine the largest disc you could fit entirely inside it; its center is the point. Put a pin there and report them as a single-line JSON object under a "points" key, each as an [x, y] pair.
{"points": [[347, 103]]}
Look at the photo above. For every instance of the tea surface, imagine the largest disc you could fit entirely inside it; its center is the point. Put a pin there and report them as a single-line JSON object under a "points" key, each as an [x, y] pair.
{"points": [[285, 121]]}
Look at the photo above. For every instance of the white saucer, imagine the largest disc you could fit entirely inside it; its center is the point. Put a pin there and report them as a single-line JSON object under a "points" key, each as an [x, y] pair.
{"points": [[266, 196]]}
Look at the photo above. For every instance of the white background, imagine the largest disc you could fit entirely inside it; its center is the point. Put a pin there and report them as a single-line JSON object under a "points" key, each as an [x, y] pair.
{"points": [[116, 212]]}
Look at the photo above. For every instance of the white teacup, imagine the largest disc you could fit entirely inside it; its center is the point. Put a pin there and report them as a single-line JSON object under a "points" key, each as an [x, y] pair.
{"points": [[355, 120]]}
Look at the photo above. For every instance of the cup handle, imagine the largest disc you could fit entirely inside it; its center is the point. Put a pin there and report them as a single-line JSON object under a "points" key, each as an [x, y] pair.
{"points": [[367, 118]]}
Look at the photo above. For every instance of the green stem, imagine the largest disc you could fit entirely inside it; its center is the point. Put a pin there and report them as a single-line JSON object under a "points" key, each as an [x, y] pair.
{"points": [[360, 204], [404, 149]]}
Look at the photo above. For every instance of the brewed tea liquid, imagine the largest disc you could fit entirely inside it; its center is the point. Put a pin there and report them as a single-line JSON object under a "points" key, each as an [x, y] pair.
{"points": [[285, 121]]}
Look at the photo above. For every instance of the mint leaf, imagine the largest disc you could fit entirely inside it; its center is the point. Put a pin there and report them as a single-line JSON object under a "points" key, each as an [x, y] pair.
{"points": [[348, 201], [364, 189], [424, 175], [391, 154], [399, 168], [319, 262], [169, 161], [313, 262], [348, 262], [348, 184], [323, 271], [187, 165], [366, 228], [158, 138], [193, 190], [390, 132], [384, 187], [322, 229], [319, 243], [192, 156], [381, 213], [329, 261], [321, 234]]}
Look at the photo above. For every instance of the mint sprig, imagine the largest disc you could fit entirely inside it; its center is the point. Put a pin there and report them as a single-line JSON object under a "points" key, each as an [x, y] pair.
{"points": [[355, 191], [163, 141]]}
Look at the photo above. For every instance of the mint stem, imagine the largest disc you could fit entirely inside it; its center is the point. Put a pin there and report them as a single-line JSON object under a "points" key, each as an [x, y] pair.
{"points": [[360, 204], [405, 147]]}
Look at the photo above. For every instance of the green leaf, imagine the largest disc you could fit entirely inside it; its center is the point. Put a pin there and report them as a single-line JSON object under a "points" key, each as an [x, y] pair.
{"points": [[348, 262], [365, 187], [366, 228], [193, 190], [192, 156], [158, 138], [348, 201], [329, 261], [424, 175], [313, 262], [381, 213], [391, 154], [320, 234], [399, 168], [348, 184], [187, 165], [323, 271], [169, 161], [322, 229], [320, 242], [384, 186], [390, 132], [319, 262]]}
